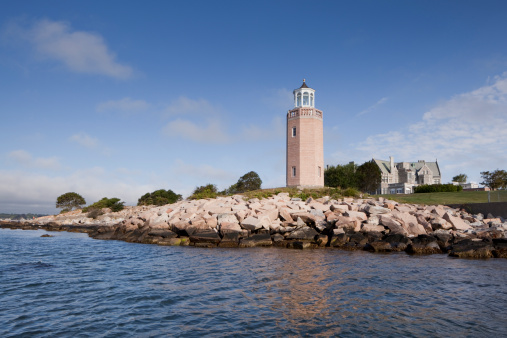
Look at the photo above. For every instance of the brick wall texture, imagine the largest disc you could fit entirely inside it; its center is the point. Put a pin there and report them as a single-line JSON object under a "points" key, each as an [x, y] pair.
{"points": [[305, 151]]}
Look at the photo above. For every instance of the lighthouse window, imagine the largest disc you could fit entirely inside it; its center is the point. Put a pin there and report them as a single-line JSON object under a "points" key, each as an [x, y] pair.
{"points": [[298, 100], [293, 171], [311, 100], [293, 131], [305, 99]]}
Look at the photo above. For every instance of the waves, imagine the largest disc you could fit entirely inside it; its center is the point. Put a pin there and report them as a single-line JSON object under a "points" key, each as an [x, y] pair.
{"points": [[72, 285]]}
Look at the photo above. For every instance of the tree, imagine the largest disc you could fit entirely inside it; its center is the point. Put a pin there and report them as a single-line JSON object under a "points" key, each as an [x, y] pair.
{"points": [[343, 176], [461, 178], [69, 201], [369, 176], [159, 197], [495, 180], [248, 182]]}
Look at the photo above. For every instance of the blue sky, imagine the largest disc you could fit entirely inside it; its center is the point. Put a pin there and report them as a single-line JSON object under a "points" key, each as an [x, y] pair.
{"points": [[118, 98]]}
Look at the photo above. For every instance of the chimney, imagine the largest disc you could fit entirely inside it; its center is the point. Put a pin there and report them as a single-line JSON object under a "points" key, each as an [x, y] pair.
{"points": [[391, 160]]}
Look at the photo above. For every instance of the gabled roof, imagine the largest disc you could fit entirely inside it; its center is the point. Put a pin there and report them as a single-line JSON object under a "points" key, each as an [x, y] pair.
{"points": [[385, 166]]}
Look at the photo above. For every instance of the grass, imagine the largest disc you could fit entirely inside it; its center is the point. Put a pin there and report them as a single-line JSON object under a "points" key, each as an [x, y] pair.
{"points": [[304, 194], [461, 197]]}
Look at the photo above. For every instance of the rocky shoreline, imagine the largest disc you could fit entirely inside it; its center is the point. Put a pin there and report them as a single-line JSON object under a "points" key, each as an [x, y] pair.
{"points": [[376, 225]]}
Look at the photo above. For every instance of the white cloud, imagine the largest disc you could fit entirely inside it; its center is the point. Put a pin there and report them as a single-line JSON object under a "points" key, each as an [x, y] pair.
{"points": [[185, 106], [85, 140], [373, 107], [27, 160], [467, 133], [255, 133], [125, 105], [29, 192], [79, 51], [211, 132], [279, 99]]}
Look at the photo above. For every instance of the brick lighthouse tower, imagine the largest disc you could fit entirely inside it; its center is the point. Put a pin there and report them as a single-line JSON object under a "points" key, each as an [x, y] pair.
{"points": [[305, 141]]}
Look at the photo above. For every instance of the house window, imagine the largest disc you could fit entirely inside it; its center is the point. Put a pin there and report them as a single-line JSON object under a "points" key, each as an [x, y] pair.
{"points": [[293, 171], [293, 131]]}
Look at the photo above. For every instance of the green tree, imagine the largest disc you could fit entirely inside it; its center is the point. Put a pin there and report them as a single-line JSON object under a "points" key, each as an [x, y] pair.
{"points": [[495, 180], [369, 176], [343, 176], [461, 178], [248, 182], [69, 201], [159, 197], [112, 203], [205, 191]]}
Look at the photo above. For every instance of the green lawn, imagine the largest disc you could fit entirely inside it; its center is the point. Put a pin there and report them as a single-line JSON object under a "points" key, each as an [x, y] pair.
{"points": [[450, 197]]}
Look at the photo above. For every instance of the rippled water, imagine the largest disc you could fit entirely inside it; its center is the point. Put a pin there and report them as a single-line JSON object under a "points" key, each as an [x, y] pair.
{"points": [[71, 285]]}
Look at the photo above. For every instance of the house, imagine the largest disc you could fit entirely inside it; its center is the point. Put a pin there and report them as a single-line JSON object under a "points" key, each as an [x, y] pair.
{"points": [[402, 177]]}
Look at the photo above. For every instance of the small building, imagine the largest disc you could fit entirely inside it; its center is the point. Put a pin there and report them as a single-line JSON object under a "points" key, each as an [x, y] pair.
{"points": [[402, 177]]}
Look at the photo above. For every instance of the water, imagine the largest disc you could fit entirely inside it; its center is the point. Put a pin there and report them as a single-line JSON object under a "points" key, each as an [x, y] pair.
{"points": [[72, 285]]}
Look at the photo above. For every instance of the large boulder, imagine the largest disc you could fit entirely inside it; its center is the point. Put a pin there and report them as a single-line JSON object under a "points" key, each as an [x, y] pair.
{"points": [[409, 222], [348, 223], [393, 225], [457, 223], [251, 223], [423, 245], [205, 238], [357, 214], [303, 233]]}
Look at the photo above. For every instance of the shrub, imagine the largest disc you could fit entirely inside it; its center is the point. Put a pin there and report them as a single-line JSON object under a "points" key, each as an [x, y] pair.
{"points": [[112, 203], [159, 197], [351, 192], [206, 191], [427, 188]]}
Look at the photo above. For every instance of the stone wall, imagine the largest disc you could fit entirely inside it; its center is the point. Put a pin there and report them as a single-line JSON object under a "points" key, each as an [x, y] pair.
{"points": [[497, 209]]}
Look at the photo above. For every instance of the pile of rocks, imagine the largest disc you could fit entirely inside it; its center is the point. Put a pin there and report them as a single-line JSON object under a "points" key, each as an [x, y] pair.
{"points": [[376, 225]]}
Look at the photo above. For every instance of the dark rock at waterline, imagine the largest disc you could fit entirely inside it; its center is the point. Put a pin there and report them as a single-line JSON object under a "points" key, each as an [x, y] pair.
{"points": [[338, 240], [202, 236], [423, 245], [500, 245], [472, 249], [378, 246], [230, 239], [47, 235], [263, 239], [162, 233]]}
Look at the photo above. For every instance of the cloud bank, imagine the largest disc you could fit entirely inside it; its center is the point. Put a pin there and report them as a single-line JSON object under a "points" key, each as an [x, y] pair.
{"points": [[79, 51], [467, 133]]}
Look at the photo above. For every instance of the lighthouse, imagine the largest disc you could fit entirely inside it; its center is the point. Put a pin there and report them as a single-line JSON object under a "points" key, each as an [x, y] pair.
{"points": [[305, 141]]}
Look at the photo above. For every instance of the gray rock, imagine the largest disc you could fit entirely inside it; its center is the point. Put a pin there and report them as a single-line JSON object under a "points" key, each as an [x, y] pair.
{"points": [[303, 233]]}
